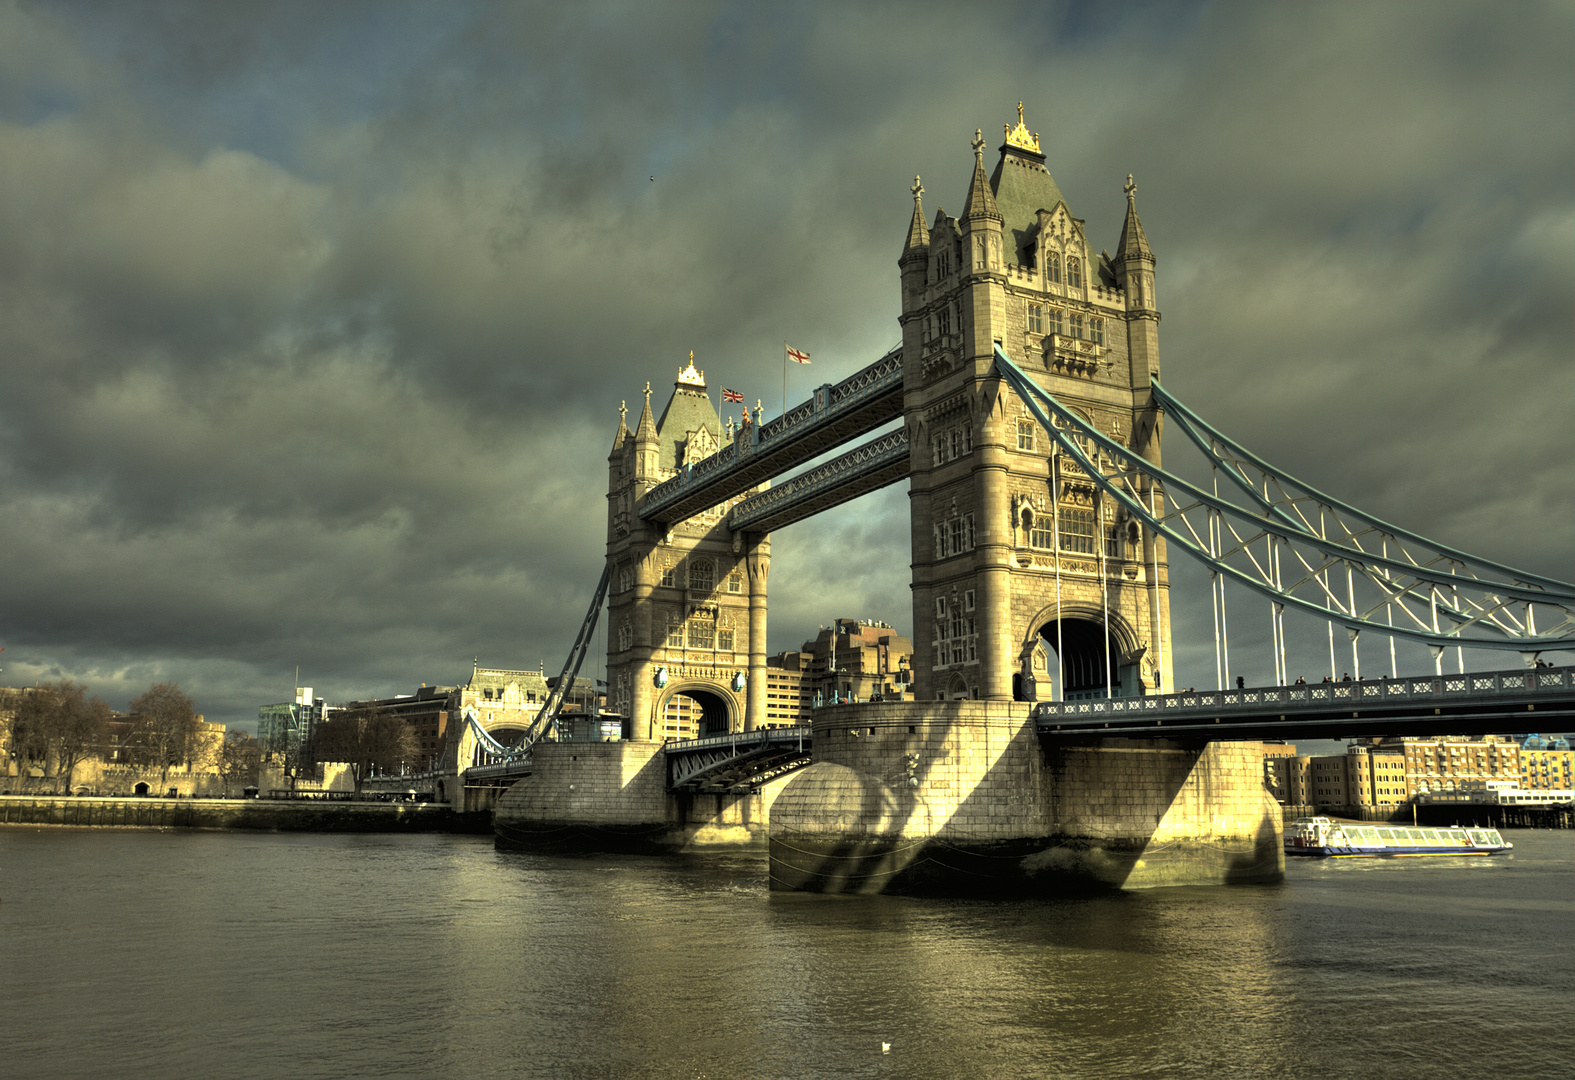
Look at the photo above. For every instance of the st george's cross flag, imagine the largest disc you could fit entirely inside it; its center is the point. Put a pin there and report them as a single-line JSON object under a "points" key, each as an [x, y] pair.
{"points": [[731, 395], [797, 356]]}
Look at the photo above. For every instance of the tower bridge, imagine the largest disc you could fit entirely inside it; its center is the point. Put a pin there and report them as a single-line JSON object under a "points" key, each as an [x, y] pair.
{"points": [[1027, 385]]}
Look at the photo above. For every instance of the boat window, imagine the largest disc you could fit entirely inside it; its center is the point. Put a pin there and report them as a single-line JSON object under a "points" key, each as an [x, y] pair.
{"points": [[1478, 836], [1370, 835], [1413, 835], [1432, 836], [1387, 834], [1494, 837]]}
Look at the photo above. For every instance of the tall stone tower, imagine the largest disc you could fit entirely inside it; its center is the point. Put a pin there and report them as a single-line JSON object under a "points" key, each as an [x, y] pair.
{"points": [[1017, 560], [686, 601]]}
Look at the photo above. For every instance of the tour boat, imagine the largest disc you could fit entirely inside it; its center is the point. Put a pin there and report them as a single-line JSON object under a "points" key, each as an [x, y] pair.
{"points": [[1325, 836]]}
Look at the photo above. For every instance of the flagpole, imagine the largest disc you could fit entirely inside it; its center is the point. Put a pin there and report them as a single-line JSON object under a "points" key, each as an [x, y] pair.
{"points": [[784, 378]]}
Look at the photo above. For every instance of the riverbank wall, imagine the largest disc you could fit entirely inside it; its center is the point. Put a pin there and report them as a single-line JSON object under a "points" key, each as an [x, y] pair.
{"points": [[264, 814], [1480, 815]]}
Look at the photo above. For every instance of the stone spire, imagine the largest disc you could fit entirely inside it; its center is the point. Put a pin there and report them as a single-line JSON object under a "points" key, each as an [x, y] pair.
{"points": [[1133, 245], [646, 443], [918, 245], [623, 427], [981, 199]]}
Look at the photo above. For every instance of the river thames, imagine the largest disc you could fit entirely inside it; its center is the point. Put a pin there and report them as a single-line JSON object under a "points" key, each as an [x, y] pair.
{"points": [[207, 954]]}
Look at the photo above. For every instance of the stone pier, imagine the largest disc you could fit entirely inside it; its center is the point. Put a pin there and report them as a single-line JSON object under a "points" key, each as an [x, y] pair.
{"points": [[962, 796], [613, 797]]}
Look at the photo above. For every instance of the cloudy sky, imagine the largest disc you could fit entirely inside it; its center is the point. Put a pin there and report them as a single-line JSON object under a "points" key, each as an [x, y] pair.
{"points": [[315, 318]]}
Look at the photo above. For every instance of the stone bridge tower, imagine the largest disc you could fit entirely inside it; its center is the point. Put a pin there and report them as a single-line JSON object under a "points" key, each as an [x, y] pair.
{"points": [[1015, 554], [686, 603]]}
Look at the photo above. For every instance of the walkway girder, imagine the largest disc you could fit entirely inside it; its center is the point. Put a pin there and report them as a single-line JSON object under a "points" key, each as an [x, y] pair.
{"points": [[835, 415], [876, 464]]}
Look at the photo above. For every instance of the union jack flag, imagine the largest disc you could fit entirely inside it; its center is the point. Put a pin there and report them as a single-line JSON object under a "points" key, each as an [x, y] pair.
{"points": [[731, 395]]}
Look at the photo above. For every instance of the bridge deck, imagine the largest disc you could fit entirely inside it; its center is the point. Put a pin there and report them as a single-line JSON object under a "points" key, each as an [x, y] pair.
{"points": [[836, 414], [736, 762], [1476, 703]]}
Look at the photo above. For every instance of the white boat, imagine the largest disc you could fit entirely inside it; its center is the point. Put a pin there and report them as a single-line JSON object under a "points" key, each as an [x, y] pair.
{"points": [[1325, 836]]}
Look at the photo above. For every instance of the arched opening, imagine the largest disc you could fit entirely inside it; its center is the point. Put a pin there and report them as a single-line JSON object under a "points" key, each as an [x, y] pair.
{"points": [[141, 788], [694, 713], [508, 736], [1085, 660]]}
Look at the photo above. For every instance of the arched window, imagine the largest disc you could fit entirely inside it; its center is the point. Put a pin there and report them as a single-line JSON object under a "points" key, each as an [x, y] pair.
{"points": [[1035, 319], [1074, 325], [702, 632], [943, 321], [1053, 326], [702, 576], [1074, 273], [724, 637], [1096, 331], [625, 637], [1053, 267]]}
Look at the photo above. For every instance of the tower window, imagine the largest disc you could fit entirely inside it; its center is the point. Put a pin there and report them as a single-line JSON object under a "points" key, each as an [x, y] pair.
{"points": [[701, 578], [1040, 532], [1074, 273], [1053, 267], [724, 639], [1025, 434], [1096, 331], [1035, 319], [1074, 325], [667, 576], [943, 321], [1054, 326], [702, 633], [735, 582], [675, 635], [1077, 530]]}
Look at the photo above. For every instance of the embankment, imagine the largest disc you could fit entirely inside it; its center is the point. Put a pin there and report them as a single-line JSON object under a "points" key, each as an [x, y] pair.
{"points": [[265, 814]]}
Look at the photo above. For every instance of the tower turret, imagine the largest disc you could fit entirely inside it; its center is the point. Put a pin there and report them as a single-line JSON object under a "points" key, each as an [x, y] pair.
{"points": [[647, 445], [1134, 265], [915, 259]]}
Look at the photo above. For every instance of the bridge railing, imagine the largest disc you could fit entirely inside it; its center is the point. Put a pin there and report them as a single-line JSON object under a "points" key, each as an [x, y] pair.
{"points": [[743, 739], [1316, 696]]}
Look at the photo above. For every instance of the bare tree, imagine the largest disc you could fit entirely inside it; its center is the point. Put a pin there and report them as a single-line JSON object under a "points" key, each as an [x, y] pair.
{"points": [[56, 722], [365, 739], [240, 760], [167, 726]]}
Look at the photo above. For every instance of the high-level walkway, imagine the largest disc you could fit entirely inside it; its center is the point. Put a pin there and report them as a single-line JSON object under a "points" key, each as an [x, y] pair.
{"points": [[834, 415]]}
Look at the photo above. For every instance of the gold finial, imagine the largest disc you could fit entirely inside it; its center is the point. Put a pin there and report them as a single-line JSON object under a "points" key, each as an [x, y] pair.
{"points": [[648, 390], [623, 413], [690, 376], [1020, 136], [1130, 189]]}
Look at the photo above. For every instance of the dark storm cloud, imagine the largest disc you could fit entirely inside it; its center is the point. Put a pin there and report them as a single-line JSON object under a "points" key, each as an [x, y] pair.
{"points": [[314, 319]]}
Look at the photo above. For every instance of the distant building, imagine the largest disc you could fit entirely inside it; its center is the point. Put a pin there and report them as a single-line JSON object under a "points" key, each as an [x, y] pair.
{"points": [[789, 698], [286, 730], [859, 660], [426, 713]]}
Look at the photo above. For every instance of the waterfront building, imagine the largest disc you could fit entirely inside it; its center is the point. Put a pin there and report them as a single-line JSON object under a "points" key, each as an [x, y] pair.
{"points": [[859, 660], [1546, 763], [1449, 762]]}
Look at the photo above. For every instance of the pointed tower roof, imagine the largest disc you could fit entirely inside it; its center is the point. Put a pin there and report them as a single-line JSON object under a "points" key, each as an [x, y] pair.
{"points": [[981, 198], [918, 235], [623, 427], [645, 430], [1023, 187], [1133, 245]]}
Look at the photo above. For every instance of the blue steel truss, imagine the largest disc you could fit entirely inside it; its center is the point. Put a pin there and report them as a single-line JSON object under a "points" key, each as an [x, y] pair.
{"points": [[834, 415], [1306, 551], [864, 469]]}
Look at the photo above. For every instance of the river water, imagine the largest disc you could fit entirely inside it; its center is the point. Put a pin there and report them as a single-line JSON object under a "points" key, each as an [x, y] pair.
{"points": [[207, 954]]}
